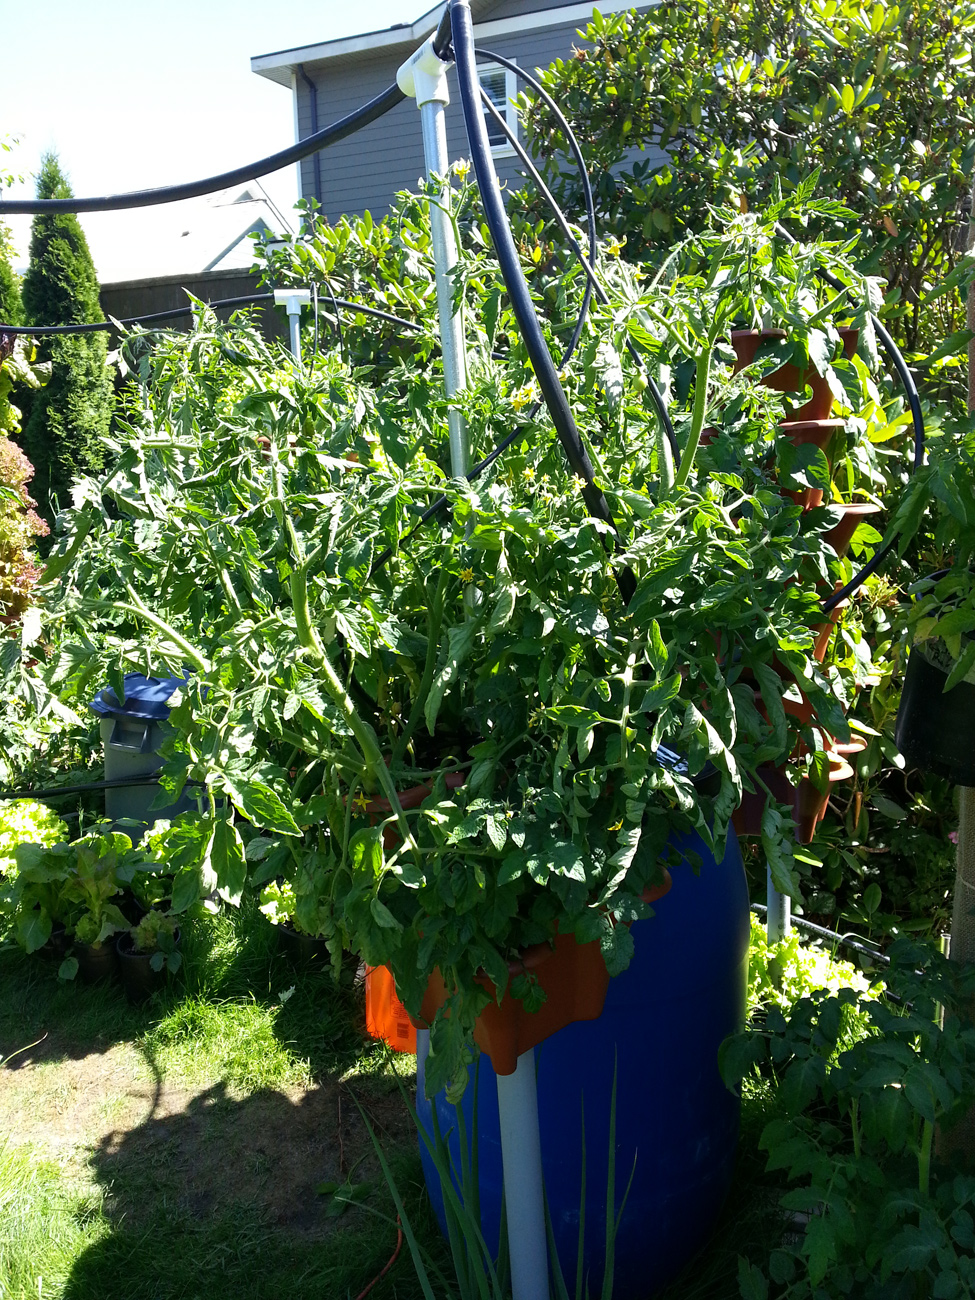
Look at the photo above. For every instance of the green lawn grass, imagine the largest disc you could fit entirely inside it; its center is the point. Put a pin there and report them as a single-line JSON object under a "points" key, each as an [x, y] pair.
{"points": [[192, 1171]]}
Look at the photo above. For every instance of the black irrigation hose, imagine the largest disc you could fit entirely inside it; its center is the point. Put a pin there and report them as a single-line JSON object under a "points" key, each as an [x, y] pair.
{"points": [[588, 263], [588, 266], [176, 312], [331, 134], [117, 783], [831, 935], [446, 53], [518, 293]]}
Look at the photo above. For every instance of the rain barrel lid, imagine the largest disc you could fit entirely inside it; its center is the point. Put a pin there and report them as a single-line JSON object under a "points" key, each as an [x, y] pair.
{"points": [[707, 781], [147, 698]]}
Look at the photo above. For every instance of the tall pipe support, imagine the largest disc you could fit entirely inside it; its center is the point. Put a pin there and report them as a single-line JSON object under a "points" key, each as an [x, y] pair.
{"points": [[423, 77], [293, 300], [524, 1198], [778, 919]]}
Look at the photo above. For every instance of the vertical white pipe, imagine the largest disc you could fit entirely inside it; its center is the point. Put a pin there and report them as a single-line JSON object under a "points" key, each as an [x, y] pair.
{"points": [[423, 76], [294, 322], [521, 1154], [778, 919], [445, 258]]}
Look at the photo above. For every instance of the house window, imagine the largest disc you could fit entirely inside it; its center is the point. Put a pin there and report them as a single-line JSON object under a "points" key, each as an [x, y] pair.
{"points": [[502, 86]]}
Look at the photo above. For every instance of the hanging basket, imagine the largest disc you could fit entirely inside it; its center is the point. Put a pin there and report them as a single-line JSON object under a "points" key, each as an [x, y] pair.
{"points": [[935, 730]]}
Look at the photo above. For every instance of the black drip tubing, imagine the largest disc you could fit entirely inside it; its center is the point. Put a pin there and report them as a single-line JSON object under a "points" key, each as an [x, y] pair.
{"points": [[821, 932], [331, 134], [117, 783], [588, 265], [518, 293], [176, 312]]}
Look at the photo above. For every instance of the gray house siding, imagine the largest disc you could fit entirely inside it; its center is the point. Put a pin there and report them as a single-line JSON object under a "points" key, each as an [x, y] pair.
{"points": [[513, 8], [367, 169]]}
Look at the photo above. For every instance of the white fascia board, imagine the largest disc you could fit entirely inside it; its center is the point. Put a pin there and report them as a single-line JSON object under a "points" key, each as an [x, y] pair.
{"points": [[294, 104], [278, 67], [575, 13]]}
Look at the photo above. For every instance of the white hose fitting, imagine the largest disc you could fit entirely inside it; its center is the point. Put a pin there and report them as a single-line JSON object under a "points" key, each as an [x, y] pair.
{"points": [[423, 76]]}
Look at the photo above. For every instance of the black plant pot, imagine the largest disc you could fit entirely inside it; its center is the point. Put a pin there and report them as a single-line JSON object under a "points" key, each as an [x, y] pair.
{"points": [[303, 950], [58, 943], [139, 980], [96, 961], [936, 731], [130, 907]]}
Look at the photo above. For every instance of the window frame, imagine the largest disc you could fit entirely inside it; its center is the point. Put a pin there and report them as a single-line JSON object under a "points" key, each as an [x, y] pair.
{"points": [[504, 149]]}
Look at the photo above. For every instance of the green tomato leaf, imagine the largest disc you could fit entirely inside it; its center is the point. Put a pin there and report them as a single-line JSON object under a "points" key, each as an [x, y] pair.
{"points": [[263, 808], [382, 915], [227, 860]]}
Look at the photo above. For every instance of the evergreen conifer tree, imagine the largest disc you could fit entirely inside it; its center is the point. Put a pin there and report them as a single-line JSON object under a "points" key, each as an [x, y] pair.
{"points": [[11, 306], [69, 418]]}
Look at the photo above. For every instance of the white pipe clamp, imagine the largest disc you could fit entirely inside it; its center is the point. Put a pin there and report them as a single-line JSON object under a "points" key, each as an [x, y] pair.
{"points": [[423, 76]]}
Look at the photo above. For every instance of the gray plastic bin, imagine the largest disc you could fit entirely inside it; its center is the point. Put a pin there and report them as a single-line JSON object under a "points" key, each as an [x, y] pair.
{"points": [[131, 735]]}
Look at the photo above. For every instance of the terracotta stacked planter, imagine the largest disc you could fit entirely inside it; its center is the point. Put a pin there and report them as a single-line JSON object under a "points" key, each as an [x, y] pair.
{"points": [[809, 424]]}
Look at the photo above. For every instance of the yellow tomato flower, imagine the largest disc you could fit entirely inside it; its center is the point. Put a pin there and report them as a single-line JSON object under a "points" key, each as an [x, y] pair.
{"points": [[467, 575]]}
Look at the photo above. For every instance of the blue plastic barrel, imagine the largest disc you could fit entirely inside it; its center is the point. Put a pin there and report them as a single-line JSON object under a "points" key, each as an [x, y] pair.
{"points": [[676, 1123]]}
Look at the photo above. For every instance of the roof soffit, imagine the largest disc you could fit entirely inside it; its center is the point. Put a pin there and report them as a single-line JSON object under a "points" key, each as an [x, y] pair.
{"points": [[388, 41]]}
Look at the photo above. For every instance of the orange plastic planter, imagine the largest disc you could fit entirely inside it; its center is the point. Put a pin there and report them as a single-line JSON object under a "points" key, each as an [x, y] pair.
{"points": [[575, 981], [386, 1017]]}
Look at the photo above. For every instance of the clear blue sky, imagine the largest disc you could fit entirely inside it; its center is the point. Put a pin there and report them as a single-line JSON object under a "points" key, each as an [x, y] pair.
{"points": [[147, 93]]}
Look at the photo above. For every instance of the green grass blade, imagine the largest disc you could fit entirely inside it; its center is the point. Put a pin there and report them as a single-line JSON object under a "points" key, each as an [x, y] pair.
{"points": [[555, 1270], [421, 1272], [460, 1221], [611, 1224]]}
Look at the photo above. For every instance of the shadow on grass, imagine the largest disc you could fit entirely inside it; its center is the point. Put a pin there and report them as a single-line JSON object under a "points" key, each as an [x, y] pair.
{"points": [[44, 1019], [213, 1193], [217, 1198], [226, 957]]}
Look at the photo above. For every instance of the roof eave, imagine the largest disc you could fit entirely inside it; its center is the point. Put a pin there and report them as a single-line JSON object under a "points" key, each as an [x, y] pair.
{"points": [[279, 66]]}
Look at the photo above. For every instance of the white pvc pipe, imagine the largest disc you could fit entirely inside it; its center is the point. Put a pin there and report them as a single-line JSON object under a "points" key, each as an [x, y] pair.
{"points": [[521, 1154], [445, 258], [294, 320], [779, 916]]}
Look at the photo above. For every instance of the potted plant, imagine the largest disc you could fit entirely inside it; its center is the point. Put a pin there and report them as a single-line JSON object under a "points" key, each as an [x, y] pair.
{"points": [[344, 652], [936, 713], [77, 885], [293, 903], [25, 821], [147, 952]]}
